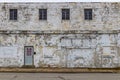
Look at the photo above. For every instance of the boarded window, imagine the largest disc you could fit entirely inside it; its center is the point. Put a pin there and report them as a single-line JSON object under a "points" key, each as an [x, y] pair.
{"points": [[13, 14], [42, 14], [88, 14], [65, 14]]}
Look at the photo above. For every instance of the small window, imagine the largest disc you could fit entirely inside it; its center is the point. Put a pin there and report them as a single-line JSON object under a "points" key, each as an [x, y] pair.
{"points": [[13, 14], [42, 14], [65, 14], [88, 14]]}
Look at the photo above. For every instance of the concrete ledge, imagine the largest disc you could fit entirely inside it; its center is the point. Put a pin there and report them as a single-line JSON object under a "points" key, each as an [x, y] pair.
{"points": [[61, 70], [59, 32]]}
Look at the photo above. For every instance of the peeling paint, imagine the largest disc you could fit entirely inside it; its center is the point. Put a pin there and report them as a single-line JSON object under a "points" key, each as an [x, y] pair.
{"points": [[74, 43]]}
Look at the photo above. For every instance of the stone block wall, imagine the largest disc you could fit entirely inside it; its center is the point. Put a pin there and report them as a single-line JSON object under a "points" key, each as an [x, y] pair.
{"points": [[58, 43], [105, 16], [62, 50]]}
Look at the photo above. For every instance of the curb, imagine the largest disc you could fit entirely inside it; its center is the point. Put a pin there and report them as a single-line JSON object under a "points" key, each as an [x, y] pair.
{"points": [[61, 70]]}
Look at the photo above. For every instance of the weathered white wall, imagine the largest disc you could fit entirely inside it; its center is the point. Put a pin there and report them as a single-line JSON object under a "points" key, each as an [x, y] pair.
{"points": [[61, 50], [105, 16], [73, 43]]}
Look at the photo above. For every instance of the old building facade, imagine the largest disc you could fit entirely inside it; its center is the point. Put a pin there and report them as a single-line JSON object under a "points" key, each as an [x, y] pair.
{"points": [[60, 35]]}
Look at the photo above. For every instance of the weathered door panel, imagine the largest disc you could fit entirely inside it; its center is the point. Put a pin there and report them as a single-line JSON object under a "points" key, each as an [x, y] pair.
{"points": [[28, 55]]}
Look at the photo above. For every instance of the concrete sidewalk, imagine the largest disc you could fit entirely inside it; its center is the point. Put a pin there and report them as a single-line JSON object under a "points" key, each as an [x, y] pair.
{"points": [[61, 70], [59, 76]]}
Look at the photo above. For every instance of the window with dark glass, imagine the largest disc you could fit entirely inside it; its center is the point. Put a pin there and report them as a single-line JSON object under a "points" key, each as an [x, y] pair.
{"points": [[65, 14], [42, 14], [88, 14], [13, 14]]}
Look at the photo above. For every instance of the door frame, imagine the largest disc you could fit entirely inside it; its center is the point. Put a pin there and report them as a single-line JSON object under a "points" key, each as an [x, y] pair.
{"points": [[32, 56]]}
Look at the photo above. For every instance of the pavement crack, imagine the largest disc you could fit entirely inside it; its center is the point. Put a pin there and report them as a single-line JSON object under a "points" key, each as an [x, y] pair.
{"points": [[14, 77], [62, 78]]}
